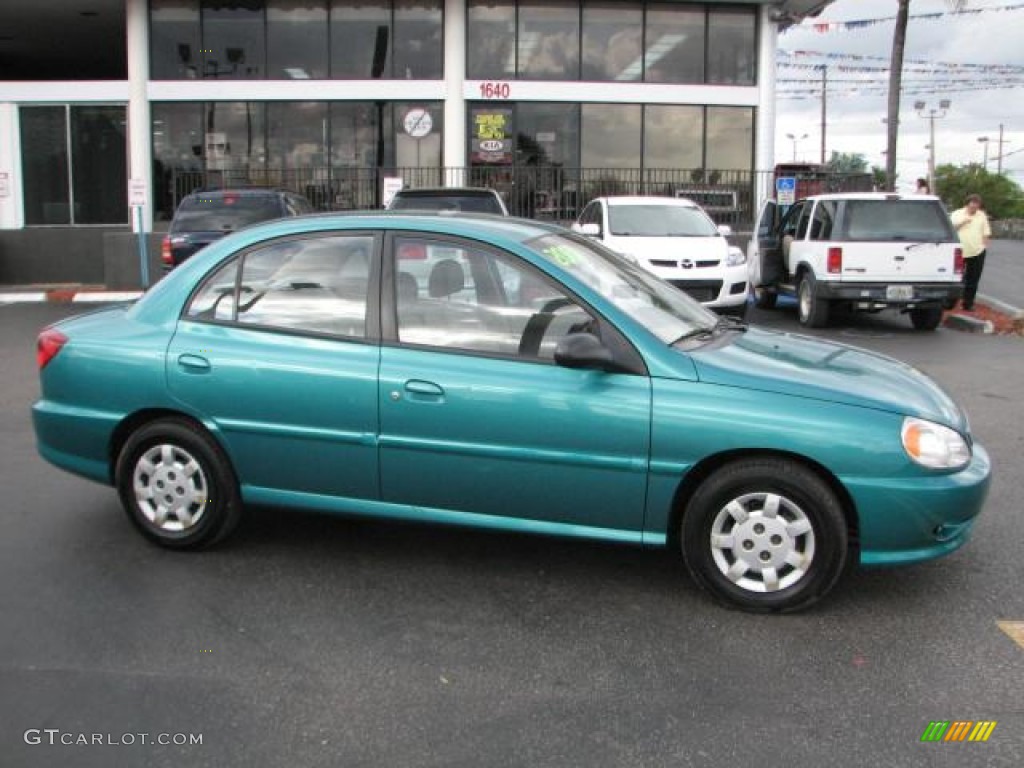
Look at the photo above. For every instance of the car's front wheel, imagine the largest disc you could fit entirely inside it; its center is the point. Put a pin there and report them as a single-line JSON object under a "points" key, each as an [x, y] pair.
{"points": [[177, 485], [765, 534]]}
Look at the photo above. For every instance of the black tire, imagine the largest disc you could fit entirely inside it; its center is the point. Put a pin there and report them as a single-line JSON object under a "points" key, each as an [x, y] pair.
{"points": [[926, 318], [817, 556], [811, 310], [765, 299], [180, 461]]}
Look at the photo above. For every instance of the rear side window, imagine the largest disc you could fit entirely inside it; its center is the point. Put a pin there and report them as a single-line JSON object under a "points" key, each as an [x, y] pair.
{"points": [[823, 219], [924, 220], [224, 213]]}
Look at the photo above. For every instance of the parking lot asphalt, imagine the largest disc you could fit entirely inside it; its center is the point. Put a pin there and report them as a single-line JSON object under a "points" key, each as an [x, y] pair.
{"points": [[310, 640], [1003, 276]]}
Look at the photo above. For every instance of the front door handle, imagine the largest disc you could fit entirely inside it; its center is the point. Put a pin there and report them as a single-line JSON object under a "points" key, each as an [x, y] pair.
{"points": [[194, 363], [425, 388]]}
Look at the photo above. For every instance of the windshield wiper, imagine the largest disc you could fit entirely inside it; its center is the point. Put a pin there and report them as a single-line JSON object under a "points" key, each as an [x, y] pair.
{"points": [[732, 323], [912, 246], [697, 333]]}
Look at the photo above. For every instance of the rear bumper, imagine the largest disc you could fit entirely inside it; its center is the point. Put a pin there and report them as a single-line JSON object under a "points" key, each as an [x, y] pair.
{"points": [[878, 293]]}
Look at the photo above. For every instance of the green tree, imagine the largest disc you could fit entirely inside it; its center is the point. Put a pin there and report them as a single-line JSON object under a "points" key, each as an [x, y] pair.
{"points": [[1003, 197], [878, 176], [847, 162]]}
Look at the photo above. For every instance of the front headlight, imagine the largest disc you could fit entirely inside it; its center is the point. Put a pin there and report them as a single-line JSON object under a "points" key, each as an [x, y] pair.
{"points": [[933, 445], [735, 257]]}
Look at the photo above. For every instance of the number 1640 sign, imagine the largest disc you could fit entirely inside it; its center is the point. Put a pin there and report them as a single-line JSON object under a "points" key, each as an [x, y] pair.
{"points": [[495, 90]]}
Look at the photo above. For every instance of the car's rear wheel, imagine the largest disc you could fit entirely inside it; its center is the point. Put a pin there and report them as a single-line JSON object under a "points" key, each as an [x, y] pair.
{"points": [[926, 318], [765, 534], [812, 310], [177, 485]]}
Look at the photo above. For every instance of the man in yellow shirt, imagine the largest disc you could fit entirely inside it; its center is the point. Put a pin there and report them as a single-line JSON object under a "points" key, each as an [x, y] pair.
{"points": [[971, 224]]}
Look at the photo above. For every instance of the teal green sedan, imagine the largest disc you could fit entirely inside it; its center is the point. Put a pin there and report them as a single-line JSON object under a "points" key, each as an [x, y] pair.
{"points": [[503, 374]]}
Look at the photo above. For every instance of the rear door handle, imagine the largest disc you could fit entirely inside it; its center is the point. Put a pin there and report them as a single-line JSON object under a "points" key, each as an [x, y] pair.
{"points": [[194, 363], [419, 391]]}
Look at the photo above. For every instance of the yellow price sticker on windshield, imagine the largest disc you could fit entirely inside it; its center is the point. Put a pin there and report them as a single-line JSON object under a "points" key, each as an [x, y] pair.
{"points": [[563, 255]]}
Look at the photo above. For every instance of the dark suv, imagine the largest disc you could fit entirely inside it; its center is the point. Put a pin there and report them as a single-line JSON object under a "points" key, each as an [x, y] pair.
{"points": [[208, 215], [467, 199]]}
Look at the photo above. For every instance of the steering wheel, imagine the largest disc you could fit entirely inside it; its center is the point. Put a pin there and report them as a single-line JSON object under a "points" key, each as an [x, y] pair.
{"points": [[537, 325]]}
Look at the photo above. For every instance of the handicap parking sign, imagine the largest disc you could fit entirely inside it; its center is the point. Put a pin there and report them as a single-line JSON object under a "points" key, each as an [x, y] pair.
{"points": [[785, 190]]}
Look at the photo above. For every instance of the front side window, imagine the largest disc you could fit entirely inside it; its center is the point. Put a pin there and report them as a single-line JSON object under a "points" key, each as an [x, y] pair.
{"points": [[314, 285], [463, 297]]}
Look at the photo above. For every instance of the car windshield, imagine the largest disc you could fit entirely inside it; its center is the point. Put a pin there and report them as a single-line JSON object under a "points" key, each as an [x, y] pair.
{"points": [[911, 220], [664, 310], [225, 212], [655, 220], [473, 203]]}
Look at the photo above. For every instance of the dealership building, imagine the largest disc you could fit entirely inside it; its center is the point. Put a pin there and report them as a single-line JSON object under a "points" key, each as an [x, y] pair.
{"points": [[112, 110]]}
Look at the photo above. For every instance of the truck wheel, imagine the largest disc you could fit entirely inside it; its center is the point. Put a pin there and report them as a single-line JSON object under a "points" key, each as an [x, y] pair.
{"points": [[812, 310], [926, 318], [765, 299]]}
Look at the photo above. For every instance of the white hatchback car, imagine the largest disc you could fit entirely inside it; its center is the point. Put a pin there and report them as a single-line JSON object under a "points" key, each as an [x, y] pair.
{"points": [[677, 241]]}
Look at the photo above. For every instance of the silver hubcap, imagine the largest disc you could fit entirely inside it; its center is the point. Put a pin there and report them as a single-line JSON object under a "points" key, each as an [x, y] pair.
{"points": [[762, 542], [805, 300], [170, 488]]}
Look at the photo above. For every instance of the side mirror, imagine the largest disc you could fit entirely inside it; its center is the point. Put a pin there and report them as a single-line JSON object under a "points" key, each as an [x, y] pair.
{"points": [[589, 229], [584, 350], [725, 230]]}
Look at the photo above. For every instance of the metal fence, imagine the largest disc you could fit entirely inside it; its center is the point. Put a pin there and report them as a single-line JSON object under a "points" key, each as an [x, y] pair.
{"points": [[552, 193]]}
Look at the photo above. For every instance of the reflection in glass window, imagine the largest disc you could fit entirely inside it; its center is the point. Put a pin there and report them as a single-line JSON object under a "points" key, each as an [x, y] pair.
{"points": [[296, 39], [611, 135], [612, 41], [234, 47], [732, 46], [673, 137], [317, 285], [296, 134], [423, 153], [215, 300], [417, 34], [491, 36], [234, 148], [174, 40], [99, 164], [177, 154], [730, 138], [674, 44], [470, 299], [44, 163], [549, 40], [354, 34]]}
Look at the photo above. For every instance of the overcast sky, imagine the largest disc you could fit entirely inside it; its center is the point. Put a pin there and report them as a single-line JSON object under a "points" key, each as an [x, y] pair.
{"points": [[854, 119]]}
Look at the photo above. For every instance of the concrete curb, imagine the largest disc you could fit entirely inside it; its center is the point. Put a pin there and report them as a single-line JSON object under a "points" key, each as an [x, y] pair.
{"points": [[1000, 306], [969, 324], [67, 296]]}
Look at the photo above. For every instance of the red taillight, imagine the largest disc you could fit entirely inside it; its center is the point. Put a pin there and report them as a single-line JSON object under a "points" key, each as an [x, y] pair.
{"points": [[958, 261], [835, 260], [165, 252], [48, 345]]}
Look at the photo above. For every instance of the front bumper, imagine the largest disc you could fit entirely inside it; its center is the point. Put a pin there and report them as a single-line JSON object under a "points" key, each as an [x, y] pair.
{"points": [[714, 287], [910, 520]]}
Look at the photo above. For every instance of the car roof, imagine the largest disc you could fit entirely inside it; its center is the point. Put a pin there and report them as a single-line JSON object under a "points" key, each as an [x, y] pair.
{"points": [[240, 191], [872, 196], [675, 202], [443, 191]]}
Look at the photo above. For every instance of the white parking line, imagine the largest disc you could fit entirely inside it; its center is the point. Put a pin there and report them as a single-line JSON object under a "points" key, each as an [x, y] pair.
{"points": [[21, 296]]}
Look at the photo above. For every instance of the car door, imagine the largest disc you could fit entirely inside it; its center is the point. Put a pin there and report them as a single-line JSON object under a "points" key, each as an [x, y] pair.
{"points": [[475, 416], [767, 265], [278, 351]]}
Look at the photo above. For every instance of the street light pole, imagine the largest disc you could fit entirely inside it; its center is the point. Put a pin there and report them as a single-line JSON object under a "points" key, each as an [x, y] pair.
{"points": [[984, 140], [794, 138], [932, 115]]}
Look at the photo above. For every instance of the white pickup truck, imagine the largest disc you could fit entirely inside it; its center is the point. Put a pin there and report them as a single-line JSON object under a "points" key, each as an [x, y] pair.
{"points": [[866, 251]]}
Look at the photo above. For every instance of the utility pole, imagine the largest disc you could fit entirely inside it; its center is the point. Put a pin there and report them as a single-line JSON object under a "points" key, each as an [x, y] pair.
{"points": [[899, 40], [932, 114], [824, 85], [999, 156]]}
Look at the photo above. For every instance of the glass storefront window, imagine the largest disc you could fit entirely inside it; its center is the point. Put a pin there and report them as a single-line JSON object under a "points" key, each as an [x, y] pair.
{"points": [[356, 28], [297, 135], [674, 44], [417, 34], [548, 43], [610, 136], [490, 39], [99, 165], [177, 154], [732, 46], [673, 137], [612, 41], [174, 46], [730, 138], [44, 163], [296, 39], [234, 46]]}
